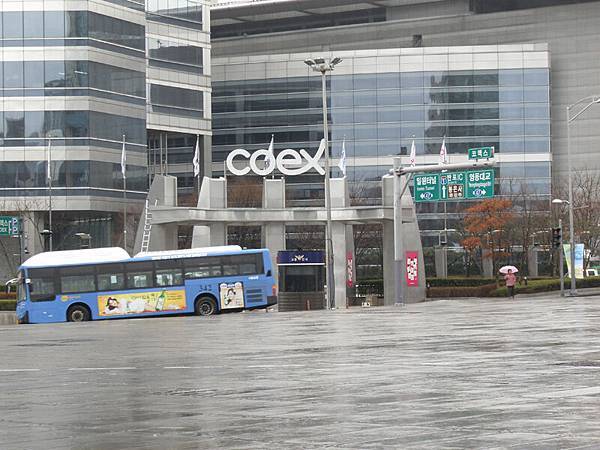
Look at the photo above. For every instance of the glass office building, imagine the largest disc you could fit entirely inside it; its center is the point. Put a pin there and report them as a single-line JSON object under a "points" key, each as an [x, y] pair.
{"points": [[78, 78], [380, 101]]}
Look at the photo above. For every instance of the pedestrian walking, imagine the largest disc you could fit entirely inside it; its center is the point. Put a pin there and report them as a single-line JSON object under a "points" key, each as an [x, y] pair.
{"points": [[510, 279]]}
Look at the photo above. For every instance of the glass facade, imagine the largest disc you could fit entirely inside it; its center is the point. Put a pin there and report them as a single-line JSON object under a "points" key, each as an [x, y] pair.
{"points": [[83, 107], [378, 115]]}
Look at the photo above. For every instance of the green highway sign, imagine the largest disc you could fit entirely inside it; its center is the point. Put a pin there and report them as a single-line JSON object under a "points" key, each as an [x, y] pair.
{"points": [[452, 185], [472, 184], [10, 226], [480, 184], [481, 153], [427, 187]]}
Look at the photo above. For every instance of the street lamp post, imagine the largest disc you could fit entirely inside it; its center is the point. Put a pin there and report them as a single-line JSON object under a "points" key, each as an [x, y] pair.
{"points": [[589, 101], [323, 66]]}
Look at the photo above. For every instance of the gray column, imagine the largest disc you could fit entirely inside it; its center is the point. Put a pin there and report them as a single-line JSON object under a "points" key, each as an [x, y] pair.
{"points": [[532, 261], [213, 195], [441, 262], [389, 288], [163, 192], [273, 234], [488, 267], [411, 238], [340, 198]]}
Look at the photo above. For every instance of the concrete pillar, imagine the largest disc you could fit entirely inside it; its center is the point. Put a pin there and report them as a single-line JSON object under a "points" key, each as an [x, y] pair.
{"points": [[343, 241], [532, 262], [213, 195], [411, 239], [163, 192], [273, 233], [486, 262], [441, 262]]}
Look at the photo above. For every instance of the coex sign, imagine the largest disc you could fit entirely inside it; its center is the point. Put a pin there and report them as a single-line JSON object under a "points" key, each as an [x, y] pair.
{"points": [[288, 162]]}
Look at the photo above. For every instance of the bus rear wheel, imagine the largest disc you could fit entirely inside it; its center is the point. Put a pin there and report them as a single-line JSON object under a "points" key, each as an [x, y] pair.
{"points": [[206, 306], [78, 313]]}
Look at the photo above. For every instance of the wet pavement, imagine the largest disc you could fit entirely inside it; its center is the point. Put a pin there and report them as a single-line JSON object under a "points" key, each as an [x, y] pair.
{"points": [[445, 374]]}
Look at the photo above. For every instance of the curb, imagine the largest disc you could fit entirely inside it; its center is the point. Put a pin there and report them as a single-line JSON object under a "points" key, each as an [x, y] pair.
{"points": [[8, 318]]}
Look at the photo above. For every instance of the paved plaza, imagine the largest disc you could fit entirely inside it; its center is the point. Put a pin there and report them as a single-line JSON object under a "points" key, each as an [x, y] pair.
{"points": [[444, 374]]}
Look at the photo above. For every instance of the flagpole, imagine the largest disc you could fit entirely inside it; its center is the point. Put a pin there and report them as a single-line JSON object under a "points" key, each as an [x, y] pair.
{"points": [[50, 241], [123, 171], [272, 153]]}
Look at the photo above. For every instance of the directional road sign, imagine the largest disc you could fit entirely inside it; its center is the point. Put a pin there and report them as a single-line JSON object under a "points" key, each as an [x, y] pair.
{"points": [[472, 184], [480, 184], [9, 226], [452, 186], [481, 153], [427, 187]]}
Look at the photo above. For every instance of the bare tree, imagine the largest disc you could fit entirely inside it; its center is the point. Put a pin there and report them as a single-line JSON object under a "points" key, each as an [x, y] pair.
{"points": [[586, 211]]}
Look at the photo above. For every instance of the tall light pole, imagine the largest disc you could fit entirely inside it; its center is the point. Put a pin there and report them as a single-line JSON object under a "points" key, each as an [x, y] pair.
{"points": [[323, 66], [589, 101]]}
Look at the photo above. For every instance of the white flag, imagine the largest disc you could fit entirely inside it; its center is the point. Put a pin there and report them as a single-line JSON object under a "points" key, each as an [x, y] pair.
{"points": [[443, 153], [413, 154], [271, 153], [342, 163], [123, 159], [196, 160], [48, 168]]}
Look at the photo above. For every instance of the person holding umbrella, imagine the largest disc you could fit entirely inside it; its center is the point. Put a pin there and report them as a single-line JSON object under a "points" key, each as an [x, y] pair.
{"points": [[510, 279]]}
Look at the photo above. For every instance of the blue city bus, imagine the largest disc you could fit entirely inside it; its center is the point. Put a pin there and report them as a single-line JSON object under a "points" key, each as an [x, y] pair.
{"points": [[104, 283]]}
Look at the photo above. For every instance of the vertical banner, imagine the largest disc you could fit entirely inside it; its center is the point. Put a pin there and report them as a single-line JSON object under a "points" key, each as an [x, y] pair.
{"points": [[579, 252], [349, 269], [412, 269]]}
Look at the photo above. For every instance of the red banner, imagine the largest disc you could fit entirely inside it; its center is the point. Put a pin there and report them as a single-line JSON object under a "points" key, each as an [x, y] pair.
{"points": [[412, 269], [349, 269]]}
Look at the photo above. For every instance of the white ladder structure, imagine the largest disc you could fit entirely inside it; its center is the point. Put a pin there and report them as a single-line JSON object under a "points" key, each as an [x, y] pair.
{"points": [[147, 228]]}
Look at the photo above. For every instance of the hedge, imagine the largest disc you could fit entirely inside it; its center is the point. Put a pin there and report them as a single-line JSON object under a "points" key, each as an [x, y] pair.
{"points": [[461, 291], [8, 305], [535, 286], [459, 282]]}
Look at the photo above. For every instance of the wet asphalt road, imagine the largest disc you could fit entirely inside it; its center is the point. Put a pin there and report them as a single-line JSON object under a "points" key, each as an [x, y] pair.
{"points": [[447, 374]]}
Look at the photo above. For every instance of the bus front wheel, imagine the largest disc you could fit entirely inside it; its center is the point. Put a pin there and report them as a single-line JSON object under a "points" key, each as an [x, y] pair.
{"points": [[78, 313], [206, 306]]}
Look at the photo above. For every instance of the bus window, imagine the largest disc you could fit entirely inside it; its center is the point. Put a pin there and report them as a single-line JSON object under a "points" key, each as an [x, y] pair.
{"points": [[77, 279], [110, 277], [202, 267], [168, 273], [250, 264], [42, 286], [139, 274], [230, 266]]}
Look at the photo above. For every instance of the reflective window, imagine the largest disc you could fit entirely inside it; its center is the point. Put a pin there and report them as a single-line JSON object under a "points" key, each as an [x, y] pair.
{"points": [[14, 124], [77, 279], [202, 267], [168, 273], [54, 24], [42, 286], [33, 24], [54, 73], [110, 277], [34, 74], [182, 53], [12, 24], [116, 31], [139, 275], [172, 11], [177, 97], [13, 74]]}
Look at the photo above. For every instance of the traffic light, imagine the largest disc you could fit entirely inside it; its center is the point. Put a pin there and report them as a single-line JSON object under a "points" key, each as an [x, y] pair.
{"points": [[556, 237]]}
